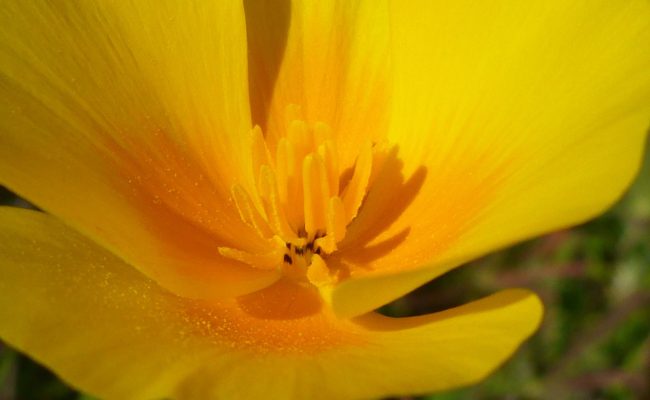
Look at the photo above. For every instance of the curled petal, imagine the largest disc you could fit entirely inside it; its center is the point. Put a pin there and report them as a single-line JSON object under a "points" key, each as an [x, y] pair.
{"points": [[110, 331]]}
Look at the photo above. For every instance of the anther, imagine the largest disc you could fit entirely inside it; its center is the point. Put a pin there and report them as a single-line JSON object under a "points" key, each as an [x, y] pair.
{"points": [[287, 259]]}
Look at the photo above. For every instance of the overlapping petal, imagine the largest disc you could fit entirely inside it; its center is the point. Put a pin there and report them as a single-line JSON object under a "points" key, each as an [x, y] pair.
{"points": [[330, 58], [116, 334], [512, 119], [129, 121]]}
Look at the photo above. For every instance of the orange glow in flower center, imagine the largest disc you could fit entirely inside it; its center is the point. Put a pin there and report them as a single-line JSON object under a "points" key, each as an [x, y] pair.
{"points": [[302, 201]]}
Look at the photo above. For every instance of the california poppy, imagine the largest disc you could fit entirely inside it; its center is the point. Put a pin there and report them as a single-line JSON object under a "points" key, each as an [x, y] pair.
{"points": [[232, 189]]}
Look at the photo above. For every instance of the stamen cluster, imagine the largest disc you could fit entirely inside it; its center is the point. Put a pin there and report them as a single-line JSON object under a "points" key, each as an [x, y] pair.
{"points": [[301, 204]]}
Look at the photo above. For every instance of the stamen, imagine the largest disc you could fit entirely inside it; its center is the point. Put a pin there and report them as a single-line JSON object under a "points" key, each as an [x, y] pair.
{"points": [[355, 191], [284, 168], [336, 225], [268, 190], [300, 138], [260, 150], [297, 205], [248, 213], [262, 261], [314, 183], [327, 151]]}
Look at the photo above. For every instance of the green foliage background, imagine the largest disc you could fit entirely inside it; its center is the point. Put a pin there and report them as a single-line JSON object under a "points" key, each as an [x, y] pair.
{"points": [[595, 339]]}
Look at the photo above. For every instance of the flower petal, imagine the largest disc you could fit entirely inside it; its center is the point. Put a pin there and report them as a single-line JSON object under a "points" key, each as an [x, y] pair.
{"points": [[331, 58], [391, 356], [112, 332], [129, 121], [511, 120], [453, 348]]}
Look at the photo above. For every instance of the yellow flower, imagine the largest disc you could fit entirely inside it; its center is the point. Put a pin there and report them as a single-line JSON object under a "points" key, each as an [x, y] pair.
{"points": [[233, 189]]}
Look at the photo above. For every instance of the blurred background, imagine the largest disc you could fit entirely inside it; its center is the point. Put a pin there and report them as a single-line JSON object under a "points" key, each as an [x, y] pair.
{"points": [[595, 340]]}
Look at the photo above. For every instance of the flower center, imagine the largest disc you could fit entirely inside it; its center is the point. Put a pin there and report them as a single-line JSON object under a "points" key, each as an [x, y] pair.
{"points": [[303, 199]]}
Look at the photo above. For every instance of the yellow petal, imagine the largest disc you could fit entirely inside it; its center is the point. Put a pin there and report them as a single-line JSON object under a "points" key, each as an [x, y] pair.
{"points": [[448, 349], [510, 120], [328, 57], [394, 357], [110, 331], [128, 120]]}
